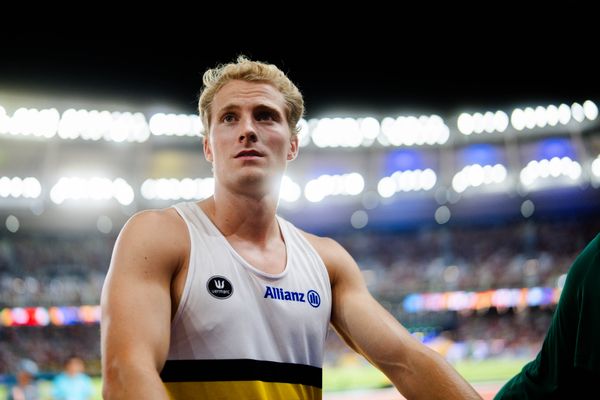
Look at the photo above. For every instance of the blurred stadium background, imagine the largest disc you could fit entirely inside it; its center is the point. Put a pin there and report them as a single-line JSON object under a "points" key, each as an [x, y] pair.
{"points": [[464, 202]]}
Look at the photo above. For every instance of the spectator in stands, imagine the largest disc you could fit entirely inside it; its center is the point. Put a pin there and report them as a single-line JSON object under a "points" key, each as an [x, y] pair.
{"points": [[26, 387], [72, 383]]}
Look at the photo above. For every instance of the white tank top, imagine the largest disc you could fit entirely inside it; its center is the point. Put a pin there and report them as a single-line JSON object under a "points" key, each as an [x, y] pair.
{"points": [[234, 319]]}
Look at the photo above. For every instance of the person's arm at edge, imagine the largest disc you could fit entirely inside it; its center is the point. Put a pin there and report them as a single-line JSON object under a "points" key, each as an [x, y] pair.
{"points": [[417, 371], [136, 306]]}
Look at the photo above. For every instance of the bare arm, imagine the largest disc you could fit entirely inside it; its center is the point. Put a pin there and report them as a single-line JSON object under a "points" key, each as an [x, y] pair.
{"points": [[417, 371], [136, 305]]}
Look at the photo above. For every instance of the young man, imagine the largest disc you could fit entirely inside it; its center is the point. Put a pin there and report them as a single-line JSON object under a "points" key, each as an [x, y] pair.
{"points": [[223, 299]]}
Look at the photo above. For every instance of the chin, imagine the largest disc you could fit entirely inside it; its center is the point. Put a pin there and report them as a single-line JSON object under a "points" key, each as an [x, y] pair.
{"points": [[254, 180]]}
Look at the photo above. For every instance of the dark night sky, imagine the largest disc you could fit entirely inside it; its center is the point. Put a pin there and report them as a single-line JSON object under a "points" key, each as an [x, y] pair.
{"points": [[333, 75]]}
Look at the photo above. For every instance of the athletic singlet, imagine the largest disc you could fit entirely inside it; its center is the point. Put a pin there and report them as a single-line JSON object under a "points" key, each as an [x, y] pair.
{"points": [[240, 333]]}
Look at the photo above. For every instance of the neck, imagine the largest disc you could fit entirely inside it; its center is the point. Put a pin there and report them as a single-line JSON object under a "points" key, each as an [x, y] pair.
{"points": [[246, 217]]}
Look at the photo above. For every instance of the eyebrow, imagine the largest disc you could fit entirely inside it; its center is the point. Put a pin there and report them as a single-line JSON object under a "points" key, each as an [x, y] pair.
{"points": [[265, 107], [260, 107]]}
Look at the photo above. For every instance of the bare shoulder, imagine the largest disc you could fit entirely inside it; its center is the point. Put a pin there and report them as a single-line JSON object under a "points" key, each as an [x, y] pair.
{"points": [[165, 220], [159, 234], [325, 246], [334, 256]]}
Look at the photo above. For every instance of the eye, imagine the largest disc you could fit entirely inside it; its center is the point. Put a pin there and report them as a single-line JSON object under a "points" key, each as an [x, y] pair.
{"points": [[265, 116], [229, 117]]}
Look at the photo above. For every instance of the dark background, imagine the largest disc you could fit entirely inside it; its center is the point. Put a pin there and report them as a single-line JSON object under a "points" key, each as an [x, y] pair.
{"points": [[370, 73]]}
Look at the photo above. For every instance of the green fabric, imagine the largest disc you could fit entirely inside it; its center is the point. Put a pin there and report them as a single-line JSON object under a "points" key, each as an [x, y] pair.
{"points": [[569, 361]]}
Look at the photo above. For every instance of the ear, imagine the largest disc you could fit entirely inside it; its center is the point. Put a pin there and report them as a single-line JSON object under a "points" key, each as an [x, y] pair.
{"points": [[207, 149], [294, 147]]}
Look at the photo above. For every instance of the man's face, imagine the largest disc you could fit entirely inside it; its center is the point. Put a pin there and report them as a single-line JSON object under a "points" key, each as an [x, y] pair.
{"points": [[250, 141]]}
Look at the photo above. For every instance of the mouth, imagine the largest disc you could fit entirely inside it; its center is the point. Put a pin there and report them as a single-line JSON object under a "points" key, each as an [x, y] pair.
{"points": [[249, 153]]}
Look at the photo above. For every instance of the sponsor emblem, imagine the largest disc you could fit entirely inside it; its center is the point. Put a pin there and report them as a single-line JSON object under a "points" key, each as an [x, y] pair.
{"points": [[275, 293], [313, 298], [219, 287]]}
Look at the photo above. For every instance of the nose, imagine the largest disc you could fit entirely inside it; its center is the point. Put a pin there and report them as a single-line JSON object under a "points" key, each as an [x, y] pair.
{"points": [[248, 136], [248, 133]]}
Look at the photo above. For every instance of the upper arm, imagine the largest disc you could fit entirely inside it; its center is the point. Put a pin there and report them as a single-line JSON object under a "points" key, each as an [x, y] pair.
{"points": [[136, 297], [363, 323]]}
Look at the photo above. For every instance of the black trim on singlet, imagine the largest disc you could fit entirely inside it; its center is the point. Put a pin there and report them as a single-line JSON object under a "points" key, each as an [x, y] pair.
{"points": [[241, 370]]}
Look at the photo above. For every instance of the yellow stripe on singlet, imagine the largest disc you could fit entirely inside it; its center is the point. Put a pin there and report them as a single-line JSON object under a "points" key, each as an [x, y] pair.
{"points": [[241, 379], [241, 390]]}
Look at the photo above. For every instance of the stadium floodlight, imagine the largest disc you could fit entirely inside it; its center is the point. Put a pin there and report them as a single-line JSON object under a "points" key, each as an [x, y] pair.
{"points": [[596, 167], [175, 189], [95, 188], [175, 125], [475, 175], [350, 184], [590, 110], [370, 129], [386, 187], [540, 117], [536, 171], [16, 187], [407, 181], [290, 191]]}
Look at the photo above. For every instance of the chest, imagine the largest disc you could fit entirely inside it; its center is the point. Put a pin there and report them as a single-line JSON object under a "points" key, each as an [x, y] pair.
{"points": [[235, 305], [271, 259], [245, 287]]}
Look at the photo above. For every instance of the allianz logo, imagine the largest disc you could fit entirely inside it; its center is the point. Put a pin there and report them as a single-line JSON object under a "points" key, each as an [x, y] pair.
{"points": [[275, 293]]}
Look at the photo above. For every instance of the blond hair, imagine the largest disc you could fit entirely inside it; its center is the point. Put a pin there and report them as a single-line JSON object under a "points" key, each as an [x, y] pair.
{"points": [[250, 71]]}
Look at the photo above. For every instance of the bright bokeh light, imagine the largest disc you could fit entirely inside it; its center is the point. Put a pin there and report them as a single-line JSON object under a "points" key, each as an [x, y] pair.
{"points": [[407, 181], [350, 184], [175, 189], [175, 125], [96, 189], [476, 175], [553, 168], [290, 191], [29, 188]]}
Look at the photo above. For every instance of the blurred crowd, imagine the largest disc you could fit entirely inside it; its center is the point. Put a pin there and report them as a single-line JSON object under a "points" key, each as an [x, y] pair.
{"points": [[49, 346], [523, 254], [52, 269]]}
